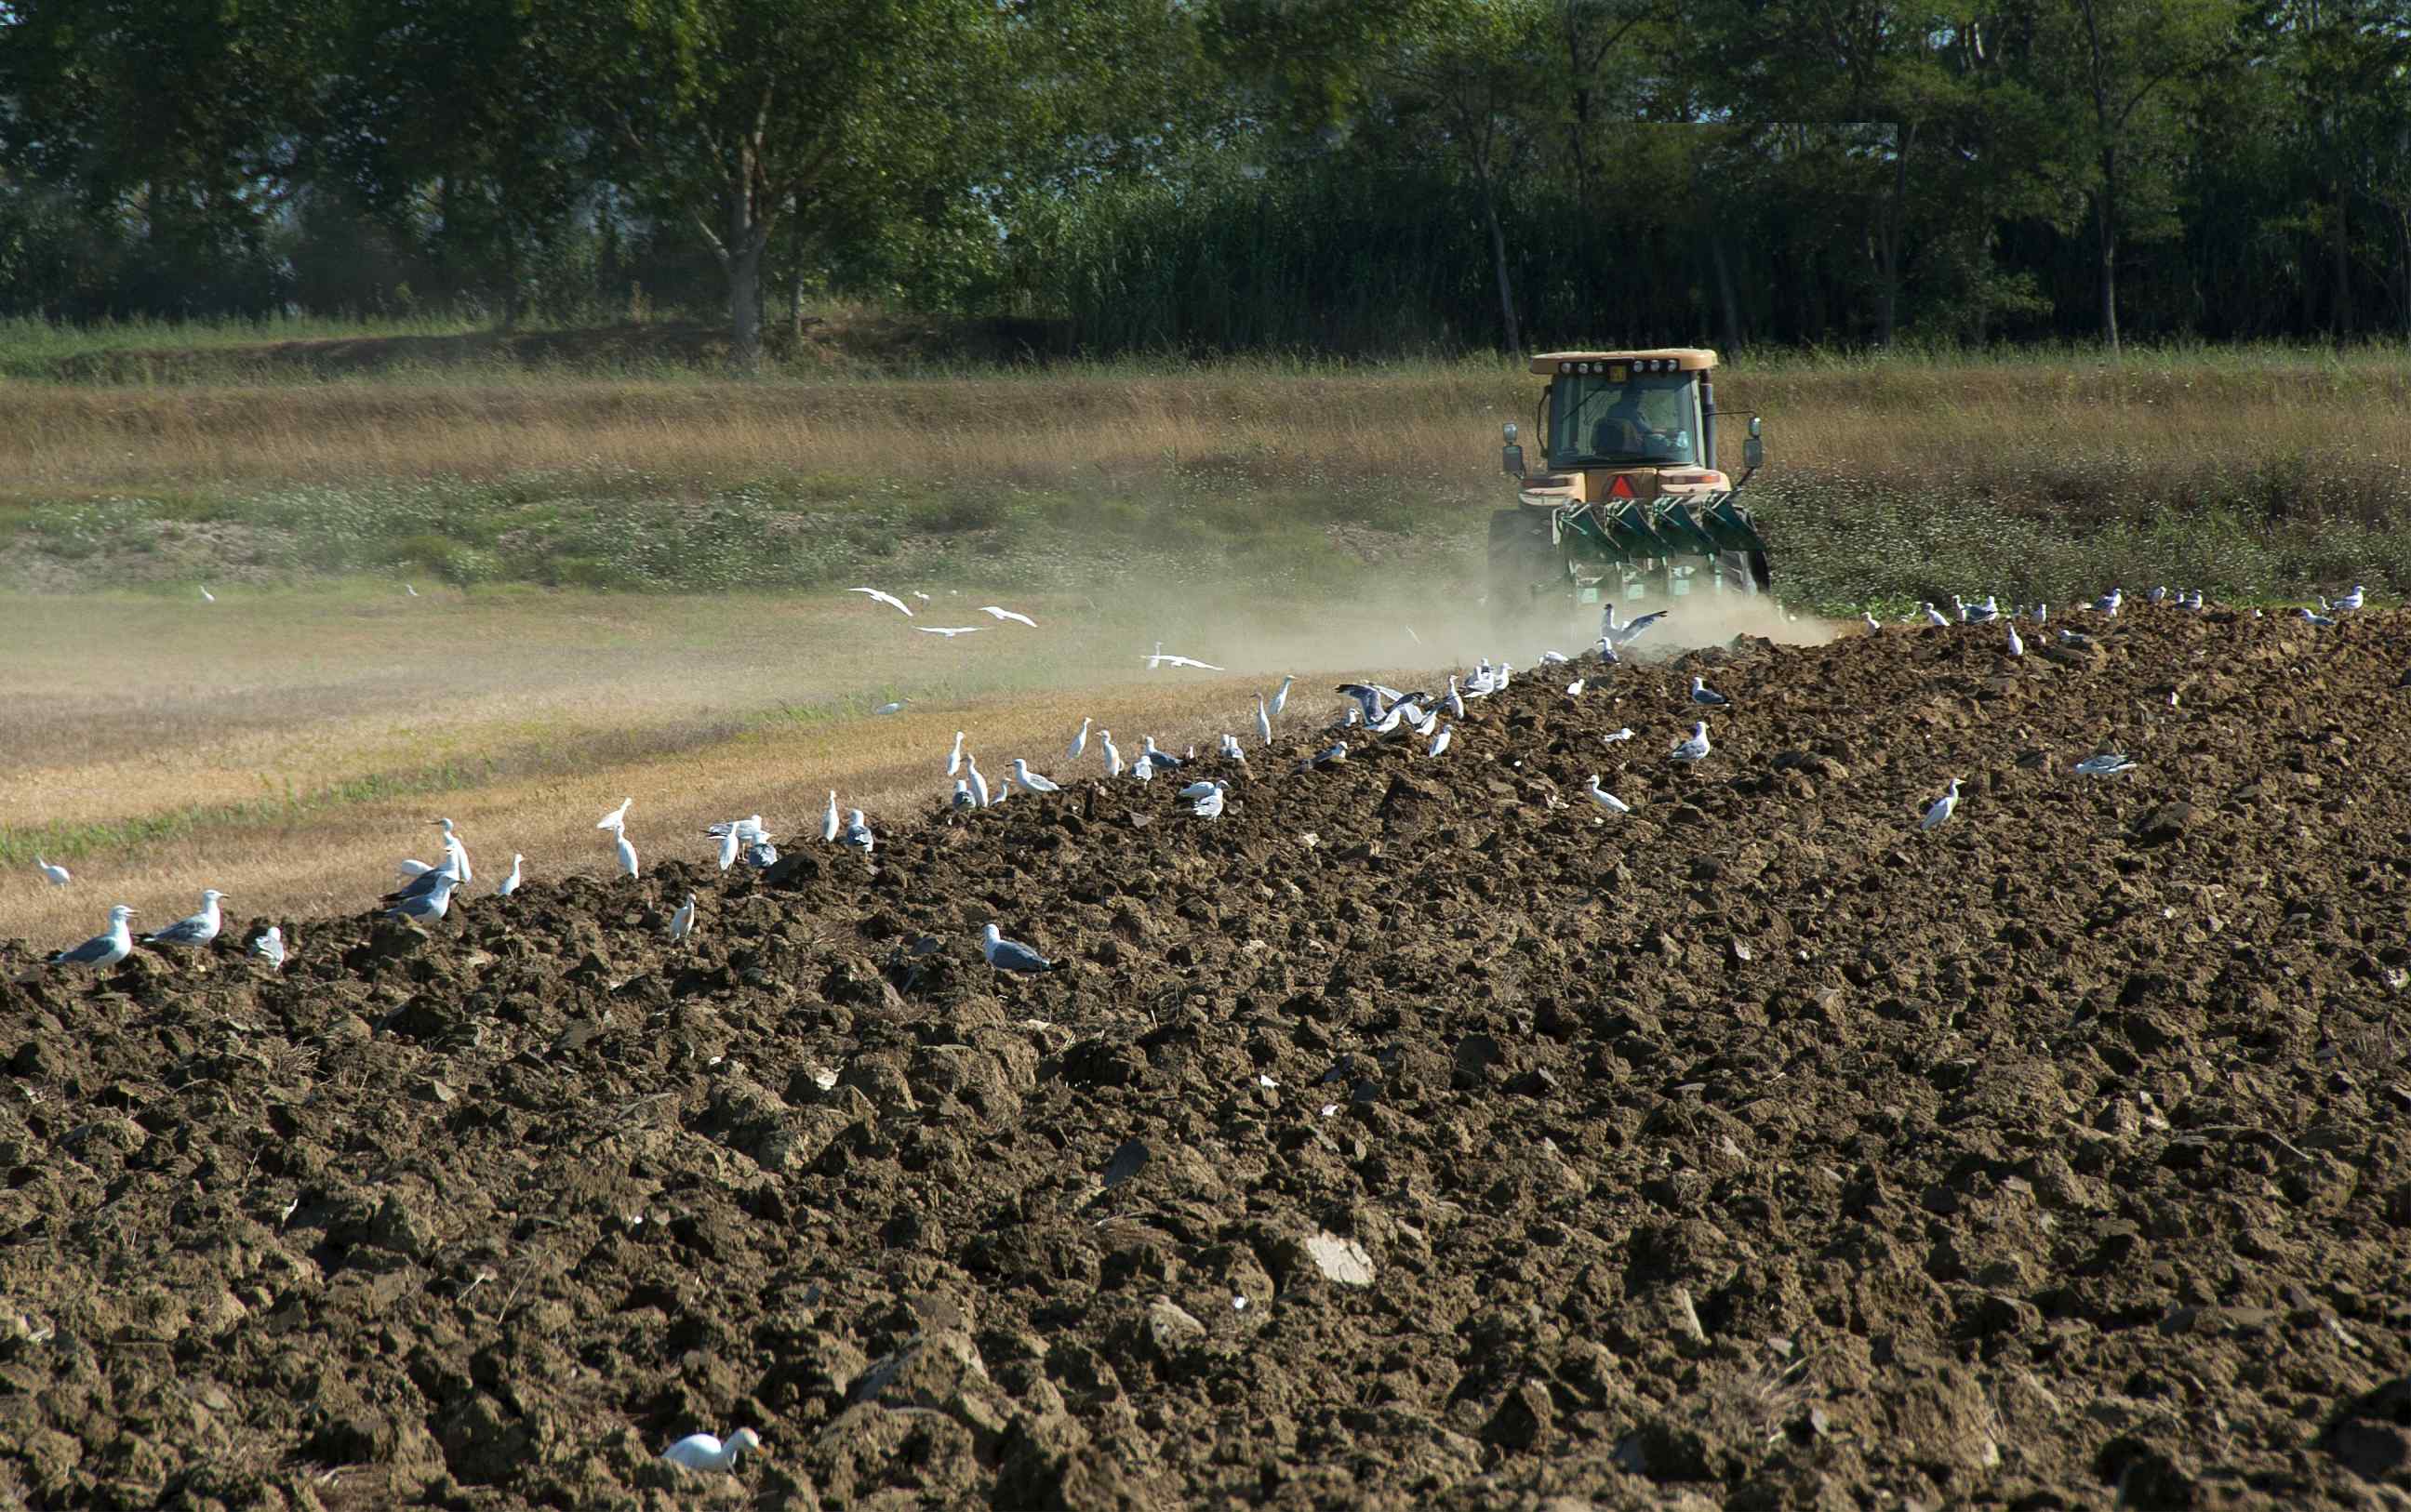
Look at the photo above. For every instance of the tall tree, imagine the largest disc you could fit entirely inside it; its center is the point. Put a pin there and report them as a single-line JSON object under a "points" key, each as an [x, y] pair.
{"points": [[2126, 64]]}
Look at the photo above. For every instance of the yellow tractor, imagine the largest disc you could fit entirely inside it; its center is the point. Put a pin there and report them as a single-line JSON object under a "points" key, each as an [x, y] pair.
{"points": [[1630, 505]]}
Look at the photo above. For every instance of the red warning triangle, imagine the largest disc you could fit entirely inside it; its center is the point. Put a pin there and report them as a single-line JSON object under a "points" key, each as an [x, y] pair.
{"points": [[1621, 487]]}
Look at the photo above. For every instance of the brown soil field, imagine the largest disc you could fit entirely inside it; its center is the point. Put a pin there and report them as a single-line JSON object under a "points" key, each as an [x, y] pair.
{"points": [[1412, 1136]]}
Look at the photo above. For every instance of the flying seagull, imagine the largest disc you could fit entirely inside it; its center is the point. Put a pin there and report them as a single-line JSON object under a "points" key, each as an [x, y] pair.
{"points": [[877, 597], [992, 610], [615, 817], [1160, 659], [950, 631]]}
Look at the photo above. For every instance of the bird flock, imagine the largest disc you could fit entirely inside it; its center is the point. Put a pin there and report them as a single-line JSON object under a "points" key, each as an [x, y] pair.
{"points": [[1371, 712]]}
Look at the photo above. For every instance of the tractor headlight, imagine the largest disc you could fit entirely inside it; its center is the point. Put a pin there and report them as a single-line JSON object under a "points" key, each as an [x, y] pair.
{"points": [[1565, 367]]}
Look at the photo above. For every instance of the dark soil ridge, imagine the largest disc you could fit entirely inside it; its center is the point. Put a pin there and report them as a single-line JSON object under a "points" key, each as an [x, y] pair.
{"points": [[1756, 1149]]}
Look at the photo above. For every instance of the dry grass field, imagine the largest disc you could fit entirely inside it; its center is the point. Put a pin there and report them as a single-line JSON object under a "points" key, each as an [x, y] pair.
{"points": [[292, 740]]}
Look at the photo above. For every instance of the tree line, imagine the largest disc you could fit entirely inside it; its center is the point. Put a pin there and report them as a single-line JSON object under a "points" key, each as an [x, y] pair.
{"points": [[1335, 175]]}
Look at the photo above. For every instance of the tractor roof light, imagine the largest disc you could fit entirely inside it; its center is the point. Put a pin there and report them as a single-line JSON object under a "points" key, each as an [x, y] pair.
{"points": [[1565, 367]]}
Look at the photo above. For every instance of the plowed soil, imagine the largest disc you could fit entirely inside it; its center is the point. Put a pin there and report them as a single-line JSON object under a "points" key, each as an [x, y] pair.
{"points": [[1414, 1135]]}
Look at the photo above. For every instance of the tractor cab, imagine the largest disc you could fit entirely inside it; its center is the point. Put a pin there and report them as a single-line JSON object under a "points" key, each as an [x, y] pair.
{"points": [[1633, 502]]}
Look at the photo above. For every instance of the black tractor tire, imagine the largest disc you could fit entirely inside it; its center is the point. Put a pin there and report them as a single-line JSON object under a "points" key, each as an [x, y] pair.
{"points": [[1527, 572]]}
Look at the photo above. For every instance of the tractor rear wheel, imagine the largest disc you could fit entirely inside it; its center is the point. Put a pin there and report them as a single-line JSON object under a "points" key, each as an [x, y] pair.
{"points": [[1526, 571]]}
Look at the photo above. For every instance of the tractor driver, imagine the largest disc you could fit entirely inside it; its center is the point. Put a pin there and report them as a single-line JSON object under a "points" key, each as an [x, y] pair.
{"points": [[1623, 430]]}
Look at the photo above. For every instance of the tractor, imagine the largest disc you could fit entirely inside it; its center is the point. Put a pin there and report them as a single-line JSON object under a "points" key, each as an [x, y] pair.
{"points": [[1629, 506]]}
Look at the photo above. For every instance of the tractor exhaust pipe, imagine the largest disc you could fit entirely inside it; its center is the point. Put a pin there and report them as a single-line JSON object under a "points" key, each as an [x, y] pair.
{"points": [[1708, 416]]}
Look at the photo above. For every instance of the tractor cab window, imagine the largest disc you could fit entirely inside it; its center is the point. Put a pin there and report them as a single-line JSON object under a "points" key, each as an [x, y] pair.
{"points": [[1620, 417]]}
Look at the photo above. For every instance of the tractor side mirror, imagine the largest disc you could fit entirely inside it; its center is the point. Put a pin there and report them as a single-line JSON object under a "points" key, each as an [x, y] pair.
{"points": [[1753, 451], [1510, 457]]}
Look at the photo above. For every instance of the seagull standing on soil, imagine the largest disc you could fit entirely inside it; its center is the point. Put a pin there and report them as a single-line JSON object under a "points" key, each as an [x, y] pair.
{"points": [[103, 950], [1706, 696], [1574, 688], [455, 853], [627, 853], [858, 835], [2351, 600], [1943, 807], [682, 921], [269, 948], [511, 884], [829, 825], [432, 901], [1079, 744], [1161, 761], [56, 876], [2108, 603], [1208, 805], [1605, 799], [877, 597], [615, 817], [1933, 615], [2017, 646], [1697, 748], [1875, 626], [1029, 781], [1011, 954], [1455, 703], [955, 760], [704, 1451], [197, 929], [1338, 751], [1008, 614], [963, 800]]}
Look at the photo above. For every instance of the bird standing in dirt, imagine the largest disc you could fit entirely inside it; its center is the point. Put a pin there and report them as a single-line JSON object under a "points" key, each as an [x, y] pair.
{"points": [[2017, 646], [1011, 954], [432, 901], [978, 782], [197, 929], [1029, 782], [1440, 742], [1281, 695], [106, 948], [1337, 751], [1605, 799], [705, 1451], [627, 853], [1079, 744], [955, 758], [270, 947], [1697, 748], [1942, 808], [511, 884], [829, 823], [682, 921], [858, 835], [1263, 723]]}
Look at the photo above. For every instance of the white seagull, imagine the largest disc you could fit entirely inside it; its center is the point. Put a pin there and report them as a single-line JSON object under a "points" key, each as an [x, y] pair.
{"points": [[1011, 954], [1933, 615], [2351, 600], [1573, 689], [1208, 805], [431, 902], [1697, 748], [2017, 646], [682, 921], [896, 707], [704, 1451], [2108, 763], [950, 631], [103, 950], [56, 876], [992, 610], [858, 834], [877, 597], [962, 799], [197, 929], [1942, 808], [1613, 735], [1338, 751], [1160, 659], [1605, 799], [456, 854], [270, 947], [1029, 781], [1706, 696], [2108, 603]]}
